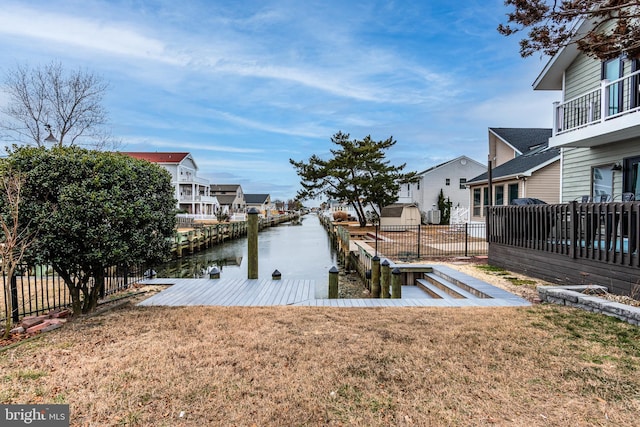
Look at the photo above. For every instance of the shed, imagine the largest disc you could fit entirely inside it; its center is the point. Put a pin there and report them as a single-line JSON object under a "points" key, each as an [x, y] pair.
{"points": [[400, 214]]}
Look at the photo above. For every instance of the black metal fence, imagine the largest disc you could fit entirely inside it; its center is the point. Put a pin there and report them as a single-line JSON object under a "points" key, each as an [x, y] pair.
{"points": [[37, 290], [415, 242]]}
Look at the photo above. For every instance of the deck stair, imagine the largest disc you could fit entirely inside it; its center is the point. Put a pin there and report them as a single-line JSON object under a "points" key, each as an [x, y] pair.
{"points": [[442, 286]]}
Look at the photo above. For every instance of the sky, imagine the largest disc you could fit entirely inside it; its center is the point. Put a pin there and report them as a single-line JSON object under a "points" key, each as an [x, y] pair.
{"points": [[244, 86]]}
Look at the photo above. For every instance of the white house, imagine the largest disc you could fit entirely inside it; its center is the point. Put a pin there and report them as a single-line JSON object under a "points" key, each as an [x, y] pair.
{"points": [[191, 191], [451, 177]]}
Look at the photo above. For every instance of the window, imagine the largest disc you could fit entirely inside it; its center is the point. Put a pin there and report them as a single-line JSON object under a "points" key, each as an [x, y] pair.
{"points": [[499, 195], [485, 199], [463, 183], [602, 182], [418, 185], [513, 192], [613, 70], [631, 176], [447, 181], [476, 202]]}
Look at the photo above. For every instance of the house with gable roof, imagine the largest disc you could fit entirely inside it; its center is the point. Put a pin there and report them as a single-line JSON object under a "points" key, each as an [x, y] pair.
{"points": [[262, 202], [592, 237], [230, 197], [523, 166], [192, 192], [451, 177], [596, 122]]}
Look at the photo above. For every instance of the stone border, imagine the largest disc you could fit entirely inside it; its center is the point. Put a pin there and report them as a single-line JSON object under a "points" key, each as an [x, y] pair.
{"points": [[572, 296]]}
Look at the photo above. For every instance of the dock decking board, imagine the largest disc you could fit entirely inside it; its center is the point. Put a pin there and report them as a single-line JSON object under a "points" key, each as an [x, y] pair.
{"points": [[267, 292]]}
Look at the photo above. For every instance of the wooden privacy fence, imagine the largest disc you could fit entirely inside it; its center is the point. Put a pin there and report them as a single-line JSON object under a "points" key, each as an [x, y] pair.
{"points": [[599, 232], [37, 290]]}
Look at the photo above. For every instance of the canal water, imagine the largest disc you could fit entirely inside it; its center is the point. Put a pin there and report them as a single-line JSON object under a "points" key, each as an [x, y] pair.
{"points": [[300, 251]]}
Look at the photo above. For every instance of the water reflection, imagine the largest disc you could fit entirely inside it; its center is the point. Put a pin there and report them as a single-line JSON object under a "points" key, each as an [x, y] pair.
{"points": [[299, 250]]}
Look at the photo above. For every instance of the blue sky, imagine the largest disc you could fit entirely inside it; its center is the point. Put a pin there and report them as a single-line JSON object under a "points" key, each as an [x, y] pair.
{"points": [[246, 85]]}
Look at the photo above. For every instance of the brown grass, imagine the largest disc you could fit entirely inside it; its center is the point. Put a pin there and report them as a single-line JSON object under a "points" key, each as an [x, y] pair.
{"points": [[289, 366]]}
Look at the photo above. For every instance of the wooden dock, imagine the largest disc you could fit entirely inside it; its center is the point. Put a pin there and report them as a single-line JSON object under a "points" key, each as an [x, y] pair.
{"points": [[267, 292]]}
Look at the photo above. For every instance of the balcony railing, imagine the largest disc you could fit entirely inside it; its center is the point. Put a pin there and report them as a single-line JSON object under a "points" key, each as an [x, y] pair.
{"points": [[613, 99], [198, 198]]}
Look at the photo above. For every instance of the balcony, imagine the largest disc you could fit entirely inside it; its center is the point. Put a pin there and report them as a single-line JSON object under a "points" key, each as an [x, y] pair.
{"points": [[187, 198], [607, 114], [193, 179]]}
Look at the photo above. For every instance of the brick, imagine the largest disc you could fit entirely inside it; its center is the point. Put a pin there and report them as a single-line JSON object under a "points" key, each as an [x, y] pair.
{"points": [[51, 327], [31, 321], [37, 328], [60, 314]]}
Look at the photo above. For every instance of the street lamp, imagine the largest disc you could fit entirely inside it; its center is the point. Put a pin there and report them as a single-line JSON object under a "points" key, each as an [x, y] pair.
{"points": [[51, 139]]}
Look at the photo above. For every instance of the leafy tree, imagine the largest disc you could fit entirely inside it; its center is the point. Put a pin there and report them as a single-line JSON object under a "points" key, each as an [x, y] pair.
{"points": [[357, 173], [552, 25], [47, 100], [94, 210], [444, 205]]}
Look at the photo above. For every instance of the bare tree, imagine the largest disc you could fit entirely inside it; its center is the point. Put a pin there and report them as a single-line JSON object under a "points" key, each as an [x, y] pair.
{"points": [[552, 24], [15, 239], [49, 106]]}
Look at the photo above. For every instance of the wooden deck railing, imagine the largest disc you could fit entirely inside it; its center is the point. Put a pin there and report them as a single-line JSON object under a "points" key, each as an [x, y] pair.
{"points": [[602, 232]]}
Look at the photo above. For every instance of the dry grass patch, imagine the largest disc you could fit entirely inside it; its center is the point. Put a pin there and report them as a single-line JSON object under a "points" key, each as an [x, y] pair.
{"points": [[544, 365]]}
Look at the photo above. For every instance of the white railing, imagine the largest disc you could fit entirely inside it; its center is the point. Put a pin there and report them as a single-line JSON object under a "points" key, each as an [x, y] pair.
{"points": [[187, 217], [198, 198], [613, 99], [194, 179]]}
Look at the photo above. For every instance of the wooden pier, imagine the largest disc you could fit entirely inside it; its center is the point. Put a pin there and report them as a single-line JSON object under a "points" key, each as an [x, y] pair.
{"points": [[202, 235], [268, 292]]}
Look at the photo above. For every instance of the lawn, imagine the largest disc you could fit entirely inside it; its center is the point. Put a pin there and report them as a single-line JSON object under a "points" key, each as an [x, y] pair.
{"points": [[199, 366]]}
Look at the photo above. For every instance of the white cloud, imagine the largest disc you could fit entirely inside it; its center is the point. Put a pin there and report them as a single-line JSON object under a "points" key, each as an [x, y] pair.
{"points": [[182, 146], [93, 34]]}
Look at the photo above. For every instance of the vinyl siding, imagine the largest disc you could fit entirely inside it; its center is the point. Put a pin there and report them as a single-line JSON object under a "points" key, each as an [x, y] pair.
{"points": [[504, 153], [577, 164], [544, 184], [582, 76]]}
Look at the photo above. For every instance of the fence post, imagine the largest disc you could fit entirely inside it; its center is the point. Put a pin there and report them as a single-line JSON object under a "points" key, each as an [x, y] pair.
{"points": [[333, 283], [14, 299], [396, 283], [573, 230], [419, 228], [385, 278], [466, 239], [375, 277], [252, 245]]}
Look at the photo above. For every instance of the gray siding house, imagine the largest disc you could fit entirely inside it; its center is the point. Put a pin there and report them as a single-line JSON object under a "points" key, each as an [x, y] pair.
{"points": [[596, 123]]}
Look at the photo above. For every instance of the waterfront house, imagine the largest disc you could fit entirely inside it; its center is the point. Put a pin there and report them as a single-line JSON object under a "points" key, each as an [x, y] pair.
{"points": [[596, 123], [230, 197], [593, 237], [451, 177], [523, 166], [262, 202], [192, 192]]}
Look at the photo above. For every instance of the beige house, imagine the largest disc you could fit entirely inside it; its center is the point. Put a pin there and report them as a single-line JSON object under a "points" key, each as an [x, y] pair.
{"points": [[230, 197], [524, 166], [596, 124], [262, 202]]}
